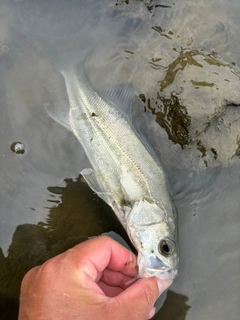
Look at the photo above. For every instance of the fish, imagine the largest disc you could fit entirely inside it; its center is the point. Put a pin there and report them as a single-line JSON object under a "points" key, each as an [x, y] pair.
{"points": [[125, 172]]}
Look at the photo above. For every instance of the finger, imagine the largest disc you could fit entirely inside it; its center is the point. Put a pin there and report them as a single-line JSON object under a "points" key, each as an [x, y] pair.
{"points": [[94, 255], [116, 279], [109, 291], [142, 294]]}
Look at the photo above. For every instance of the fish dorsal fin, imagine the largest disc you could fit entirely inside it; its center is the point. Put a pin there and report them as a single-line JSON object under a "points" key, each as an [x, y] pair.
{"points": [[121, 95]]}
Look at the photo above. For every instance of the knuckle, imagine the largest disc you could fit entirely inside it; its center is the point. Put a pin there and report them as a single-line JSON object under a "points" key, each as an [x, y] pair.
{"points": [[48, 268], [45, 273], [105, 239], [29, 275]]}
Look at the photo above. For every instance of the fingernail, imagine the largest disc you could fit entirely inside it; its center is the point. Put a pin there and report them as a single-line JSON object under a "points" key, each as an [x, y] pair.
{"points": [[163, 285], [151, 313]]}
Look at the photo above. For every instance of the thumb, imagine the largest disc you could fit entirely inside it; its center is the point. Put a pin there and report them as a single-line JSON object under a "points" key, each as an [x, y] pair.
{"points": [[140, 297]]}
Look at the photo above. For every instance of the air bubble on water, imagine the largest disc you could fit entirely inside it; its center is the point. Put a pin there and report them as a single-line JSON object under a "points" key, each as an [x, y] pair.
{"points": [[18, 147]]}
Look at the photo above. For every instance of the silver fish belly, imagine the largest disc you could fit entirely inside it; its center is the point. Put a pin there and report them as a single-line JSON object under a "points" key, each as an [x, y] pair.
{"points": [[125, 173]]}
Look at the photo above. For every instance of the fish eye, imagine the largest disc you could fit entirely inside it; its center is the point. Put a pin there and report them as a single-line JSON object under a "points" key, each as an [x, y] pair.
{"points": [[166, 247]]}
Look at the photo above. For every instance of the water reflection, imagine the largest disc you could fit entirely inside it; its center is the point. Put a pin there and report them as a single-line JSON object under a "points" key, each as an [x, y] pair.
{"points": [[170, 115]]}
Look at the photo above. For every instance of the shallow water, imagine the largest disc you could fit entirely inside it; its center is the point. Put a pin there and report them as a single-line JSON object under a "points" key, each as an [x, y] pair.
{"points": [[46, 207]]}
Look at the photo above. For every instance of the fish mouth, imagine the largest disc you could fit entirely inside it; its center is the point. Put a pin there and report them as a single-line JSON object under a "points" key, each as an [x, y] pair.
{"points": [[162, 274], [157, 268]]}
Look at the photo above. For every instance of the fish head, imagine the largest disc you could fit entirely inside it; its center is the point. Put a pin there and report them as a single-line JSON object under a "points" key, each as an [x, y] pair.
{"points": [[153, 232]]}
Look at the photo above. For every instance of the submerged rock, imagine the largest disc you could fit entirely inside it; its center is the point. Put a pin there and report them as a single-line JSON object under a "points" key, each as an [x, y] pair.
{"points": [[198, 105], [186, 79]]}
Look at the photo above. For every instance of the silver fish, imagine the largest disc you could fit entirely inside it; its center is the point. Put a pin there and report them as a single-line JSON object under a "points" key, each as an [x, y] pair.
{"points": [[125, 172]]}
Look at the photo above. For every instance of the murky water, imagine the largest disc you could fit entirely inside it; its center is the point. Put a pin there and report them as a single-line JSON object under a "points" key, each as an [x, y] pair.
{"points": [[184, 62]]}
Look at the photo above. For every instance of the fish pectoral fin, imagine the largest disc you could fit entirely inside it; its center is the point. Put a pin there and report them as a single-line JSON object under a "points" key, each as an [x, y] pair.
{"points": [[121, 95], [92, 180], [60, 115]]}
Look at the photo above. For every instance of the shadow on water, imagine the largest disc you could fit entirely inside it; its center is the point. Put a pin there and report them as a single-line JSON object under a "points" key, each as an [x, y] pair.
{"points": [[175, 307], [67, 225]]}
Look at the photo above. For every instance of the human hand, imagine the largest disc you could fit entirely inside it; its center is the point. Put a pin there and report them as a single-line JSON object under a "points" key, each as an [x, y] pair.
{"points": [[87, 282]]}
